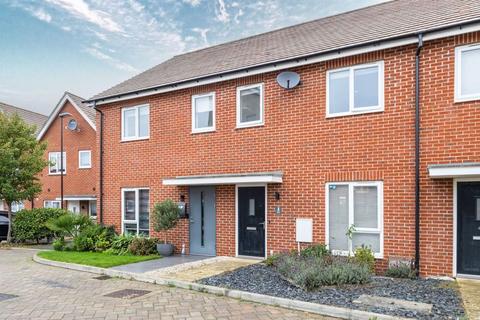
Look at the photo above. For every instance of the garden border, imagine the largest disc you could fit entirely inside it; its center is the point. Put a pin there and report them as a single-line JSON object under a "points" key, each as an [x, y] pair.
{"points": [[321, 309]]}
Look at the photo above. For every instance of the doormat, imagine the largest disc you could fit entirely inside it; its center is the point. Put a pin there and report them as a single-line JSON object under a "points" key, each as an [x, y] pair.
{"points": [[127, 294]]}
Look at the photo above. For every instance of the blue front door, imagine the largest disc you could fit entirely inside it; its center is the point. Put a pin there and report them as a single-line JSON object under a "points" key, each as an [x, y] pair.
{"points": [[202, 221]]}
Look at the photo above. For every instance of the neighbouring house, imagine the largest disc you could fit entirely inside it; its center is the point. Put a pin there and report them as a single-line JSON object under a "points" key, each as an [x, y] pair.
{"points": [[32, 118], [79, 155], [377, 145]]}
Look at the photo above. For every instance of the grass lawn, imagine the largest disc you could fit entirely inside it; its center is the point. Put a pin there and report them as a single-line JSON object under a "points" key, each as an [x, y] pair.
{"points": [[96, 259]]}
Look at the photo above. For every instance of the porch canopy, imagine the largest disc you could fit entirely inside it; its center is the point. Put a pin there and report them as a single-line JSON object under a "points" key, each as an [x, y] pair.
{"points": [[454, 170], [222, 179], [77, 198]]}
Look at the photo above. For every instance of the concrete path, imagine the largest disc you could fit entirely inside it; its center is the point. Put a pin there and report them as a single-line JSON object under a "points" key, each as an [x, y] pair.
{"points": [[154, 265], [30, 290], [470, 290]]}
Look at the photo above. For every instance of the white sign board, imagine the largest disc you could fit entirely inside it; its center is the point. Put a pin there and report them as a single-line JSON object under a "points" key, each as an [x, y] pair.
{"points": [[304, 230]]}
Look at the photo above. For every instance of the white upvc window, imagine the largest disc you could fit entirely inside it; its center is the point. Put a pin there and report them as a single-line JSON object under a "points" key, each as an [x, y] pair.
{"points": [[54, 158], [84, 159], [355, 90], [203, 112], [354, 217], [17, 206], [467, 71], [250, 106], [51, 204], [136, 122], [92, 209], [136, 211]]}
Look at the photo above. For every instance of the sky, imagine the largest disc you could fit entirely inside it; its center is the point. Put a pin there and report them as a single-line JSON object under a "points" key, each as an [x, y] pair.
{"points": [[86, 46]]}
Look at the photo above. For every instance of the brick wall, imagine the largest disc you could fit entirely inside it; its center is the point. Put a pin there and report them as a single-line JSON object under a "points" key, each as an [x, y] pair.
{"points": [[311, 150], [76, 181]]}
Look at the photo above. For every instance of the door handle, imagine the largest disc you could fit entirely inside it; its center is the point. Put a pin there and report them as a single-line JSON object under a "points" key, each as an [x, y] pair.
{"points": [[262, 224], [192, 220], [476, 238]]}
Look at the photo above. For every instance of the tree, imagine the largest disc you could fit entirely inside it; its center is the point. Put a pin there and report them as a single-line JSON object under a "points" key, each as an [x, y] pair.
{"points": [[21, 160], [165, 216]]}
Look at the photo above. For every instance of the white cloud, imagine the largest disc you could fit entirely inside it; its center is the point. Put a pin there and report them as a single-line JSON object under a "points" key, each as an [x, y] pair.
{"points": [[81, 10], [202, 33], [94, 52], [42, 15], [221, 12], [193, 3]]}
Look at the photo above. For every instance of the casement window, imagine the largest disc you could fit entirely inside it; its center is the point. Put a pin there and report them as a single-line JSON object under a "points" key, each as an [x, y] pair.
{"points": [[250, 109], [51, 204], [54, 167], [17, 206], [467, 70], [92, 209], [354, 217], [203, 113], [354, 90], [136, 211], [136, 123], [84, 159]]}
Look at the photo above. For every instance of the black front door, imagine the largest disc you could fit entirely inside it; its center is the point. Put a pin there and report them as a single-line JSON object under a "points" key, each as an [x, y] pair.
{"points": [[251, 221], [468, 228]]}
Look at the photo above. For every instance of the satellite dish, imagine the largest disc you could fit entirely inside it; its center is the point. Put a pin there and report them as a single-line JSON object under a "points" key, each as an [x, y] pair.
{"points": [[288, 79], [72, 125]]}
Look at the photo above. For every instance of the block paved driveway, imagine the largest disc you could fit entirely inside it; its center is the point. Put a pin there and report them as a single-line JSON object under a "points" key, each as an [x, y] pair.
{"points": [[52, 293]]}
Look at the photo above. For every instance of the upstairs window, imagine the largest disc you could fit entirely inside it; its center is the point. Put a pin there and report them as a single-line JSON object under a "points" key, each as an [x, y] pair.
{"points": [[136, 123], [85, 159], [467, 71], [250, 106], [54, 158], [203, 113], [353, 90]]}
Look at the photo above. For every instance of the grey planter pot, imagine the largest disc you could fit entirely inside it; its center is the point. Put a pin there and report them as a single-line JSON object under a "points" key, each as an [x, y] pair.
{"points": [[165, 249]]}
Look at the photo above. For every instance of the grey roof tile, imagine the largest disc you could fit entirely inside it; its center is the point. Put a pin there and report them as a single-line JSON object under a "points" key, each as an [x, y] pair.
{"points": [[30, 117], [379, 22], [89, 111]]}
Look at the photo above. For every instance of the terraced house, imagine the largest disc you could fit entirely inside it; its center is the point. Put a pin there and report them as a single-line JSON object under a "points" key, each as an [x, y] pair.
{"points": [[376, 145]]}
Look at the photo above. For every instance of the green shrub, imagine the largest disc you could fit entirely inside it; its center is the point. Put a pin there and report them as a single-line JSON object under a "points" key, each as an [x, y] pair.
{"points": [[141, 246], [119, 245], [317, 250], [165, 216], [31, 224], [312, 272], [364, 255], [94, 238], [59, 244], [272, 260], [400, 271], [69, 225]]}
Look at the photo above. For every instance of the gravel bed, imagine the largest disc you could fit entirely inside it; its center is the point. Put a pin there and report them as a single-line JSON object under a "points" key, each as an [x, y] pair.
{"points": [[259, 278]]}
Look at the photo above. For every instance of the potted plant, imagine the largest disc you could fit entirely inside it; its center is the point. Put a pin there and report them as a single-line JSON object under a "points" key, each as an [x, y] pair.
{"points": [[165, 217]]}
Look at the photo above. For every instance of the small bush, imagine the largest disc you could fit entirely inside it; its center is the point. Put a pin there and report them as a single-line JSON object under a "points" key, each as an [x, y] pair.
{"points": [[272, 260], [59, 244], [31, 224], [69, 224], [94, 238], [119, 245], [400, 271], [165, 216], [364, 255], [318, 250], [141, 246]]}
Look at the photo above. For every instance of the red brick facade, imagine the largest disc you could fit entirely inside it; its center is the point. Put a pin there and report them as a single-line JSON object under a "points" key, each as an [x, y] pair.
{"points": [[76, 181], [310, 150]]}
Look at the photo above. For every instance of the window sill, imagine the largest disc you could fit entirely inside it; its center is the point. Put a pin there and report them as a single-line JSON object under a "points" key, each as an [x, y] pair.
{"points": [[355, 113], [136, 139], [57, 174], [83, 168], [378, 256], [466, 99], [203, 131], [248, 125]]}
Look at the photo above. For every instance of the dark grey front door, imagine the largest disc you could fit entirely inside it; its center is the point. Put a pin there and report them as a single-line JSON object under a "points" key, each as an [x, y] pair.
{"points": [[468, 228], [202, 220], [251, 221]]}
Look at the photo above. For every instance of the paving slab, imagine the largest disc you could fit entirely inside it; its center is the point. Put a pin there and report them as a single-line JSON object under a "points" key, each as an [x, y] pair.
{"points": [[157, 264], [470, 290], [392, 303]]}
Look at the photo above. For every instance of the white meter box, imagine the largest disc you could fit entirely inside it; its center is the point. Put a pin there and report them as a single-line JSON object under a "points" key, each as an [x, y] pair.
{"points": [[304, 230]]}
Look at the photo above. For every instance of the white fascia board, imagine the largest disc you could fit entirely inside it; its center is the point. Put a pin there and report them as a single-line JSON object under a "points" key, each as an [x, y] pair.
{"points": [[292, 62], [454, 172], [198, 181]]}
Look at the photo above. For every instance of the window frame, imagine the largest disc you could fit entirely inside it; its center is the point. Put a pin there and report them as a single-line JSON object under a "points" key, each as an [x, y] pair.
{"points": [[52, 201], [351, 89], [15, 206], [80, 159], [137, 121], [137, 208], [90, 209], [351, 218], [458, 97], [255, 123], [56, 163], [194, 114]]}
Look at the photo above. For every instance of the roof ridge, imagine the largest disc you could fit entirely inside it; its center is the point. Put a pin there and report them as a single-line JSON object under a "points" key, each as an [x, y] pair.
{"points": [[73, 94], [286, 27]]}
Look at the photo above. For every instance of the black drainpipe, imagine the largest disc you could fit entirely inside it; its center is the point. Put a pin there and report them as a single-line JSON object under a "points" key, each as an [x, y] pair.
{"points": [[417, 154], [101, 161]]}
